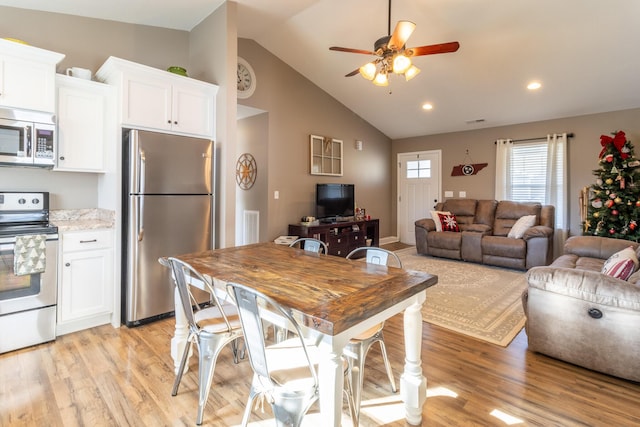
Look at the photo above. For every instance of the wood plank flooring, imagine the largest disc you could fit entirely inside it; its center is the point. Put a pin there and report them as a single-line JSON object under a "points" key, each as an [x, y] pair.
{"points": [[123, 377]]}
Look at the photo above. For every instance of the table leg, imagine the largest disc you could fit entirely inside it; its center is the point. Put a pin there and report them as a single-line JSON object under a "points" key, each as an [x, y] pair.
{"points": [[331, 382], [413, 385], [180, 335]]}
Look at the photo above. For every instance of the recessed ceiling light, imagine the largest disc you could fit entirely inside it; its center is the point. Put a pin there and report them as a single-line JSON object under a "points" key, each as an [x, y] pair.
{"points": [[534, 85], [427, 106]]}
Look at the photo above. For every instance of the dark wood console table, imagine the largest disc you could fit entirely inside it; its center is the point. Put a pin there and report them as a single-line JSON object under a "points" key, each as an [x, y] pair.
{"points": [[341, 237]]}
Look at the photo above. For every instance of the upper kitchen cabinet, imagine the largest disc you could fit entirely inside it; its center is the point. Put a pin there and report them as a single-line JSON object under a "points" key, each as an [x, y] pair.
{"points": [[86, 124], [154, 99], [27, 76]]}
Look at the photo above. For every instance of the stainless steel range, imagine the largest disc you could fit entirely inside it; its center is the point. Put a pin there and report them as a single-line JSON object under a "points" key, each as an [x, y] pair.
{"points": [[28, 270]]}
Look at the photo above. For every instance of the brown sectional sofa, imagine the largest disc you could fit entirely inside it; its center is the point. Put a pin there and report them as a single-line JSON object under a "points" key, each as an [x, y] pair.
{"points": [[484, 226], [579, 315]]}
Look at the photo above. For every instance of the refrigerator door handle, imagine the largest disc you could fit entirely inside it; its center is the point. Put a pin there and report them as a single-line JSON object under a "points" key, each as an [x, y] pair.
{"points": [[140, 221], [142, 159]]}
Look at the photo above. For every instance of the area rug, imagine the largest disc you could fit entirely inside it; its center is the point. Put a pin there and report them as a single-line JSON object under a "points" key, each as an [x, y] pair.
{"points": [[472, 299]]}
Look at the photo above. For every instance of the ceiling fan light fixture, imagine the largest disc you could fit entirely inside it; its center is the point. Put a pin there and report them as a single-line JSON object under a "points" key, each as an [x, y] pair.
{"points": [[381, 79], [368, 71], [411, 72], [401, 63]]}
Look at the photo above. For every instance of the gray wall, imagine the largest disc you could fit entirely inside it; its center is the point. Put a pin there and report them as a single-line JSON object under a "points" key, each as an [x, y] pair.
{"points": [[583, 151], [298, 108]]}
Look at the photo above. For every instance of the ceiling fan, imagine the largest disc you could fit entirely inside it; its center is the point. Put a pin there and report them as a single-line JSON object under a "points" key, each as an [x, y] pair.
{"points": [[392, 54]]}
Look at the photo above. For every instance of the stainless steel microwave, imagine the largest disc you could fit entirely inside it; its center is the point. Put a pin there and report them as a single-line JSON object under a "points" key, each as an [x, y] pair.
{"points": [[27, 138]]}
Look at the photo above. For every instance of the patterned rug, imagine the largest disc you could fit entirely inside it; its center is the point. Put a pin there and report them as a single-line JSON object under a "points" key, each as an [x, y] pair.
{"points": [[475, 300]]}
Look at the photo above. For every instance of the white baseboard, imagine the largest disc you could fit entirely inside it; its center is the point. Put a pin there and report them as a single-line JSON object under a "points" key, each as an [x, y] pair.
{"points": [[388, 240]]}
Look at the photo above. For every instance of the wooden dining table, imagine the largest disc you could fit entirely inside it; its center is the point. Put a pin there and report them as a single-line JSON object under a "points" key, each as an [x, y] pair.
{"points": [[335, 299]]}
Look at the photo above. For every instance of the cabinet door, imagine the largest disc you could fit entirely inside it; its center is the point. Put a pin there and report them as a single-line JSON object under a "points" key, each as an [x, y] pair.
{"points": [[193, 110], [82, 124], [86, 284], [27, 84], [146, 102]]}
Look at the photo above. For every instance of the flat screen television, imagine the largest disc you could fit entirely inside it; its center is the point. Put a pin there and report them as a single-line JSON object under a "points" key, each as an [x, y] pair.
{"points": [[334, 202]]}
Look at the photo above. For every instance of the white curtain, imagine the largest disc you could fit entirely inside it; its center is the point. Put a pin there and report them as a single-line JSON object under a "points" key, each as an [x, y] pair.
{"points": [[555, 181], [503, 178], [556, 188]]}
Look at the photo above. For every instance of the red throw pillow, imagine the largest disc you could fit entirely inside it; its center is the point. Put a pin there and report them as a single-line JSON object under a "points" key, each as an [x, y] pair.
{"points": [[449, 222]]}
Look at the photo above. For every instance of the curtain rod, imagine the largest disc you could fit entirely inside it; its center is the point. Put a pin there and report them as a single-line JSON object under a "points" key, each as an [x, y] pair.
{"points": [[569, 135]]}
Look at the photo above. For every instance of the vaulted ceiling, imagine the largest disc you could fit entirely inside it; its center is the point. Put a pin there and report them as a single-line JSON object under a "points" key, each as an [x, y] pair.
{"points": [[584, 53]]}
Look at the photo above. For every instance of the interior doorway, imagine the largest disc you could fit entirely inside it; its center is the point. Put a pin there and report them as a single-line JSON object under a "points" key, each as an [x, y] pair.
{"points": [[419, 189]]}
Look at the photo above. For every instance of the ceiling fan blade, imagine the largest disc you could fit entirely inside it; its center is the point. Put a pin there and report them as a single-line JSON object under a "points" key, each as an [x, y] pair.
{"points": [[432, 49], [353, 73], [349, 50], [401, 34]]}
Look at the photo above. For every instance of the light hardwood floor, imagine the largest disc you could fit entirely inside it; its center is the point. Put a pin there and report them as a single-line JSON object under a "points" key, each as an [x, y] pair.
{"points": [[123, 377]]}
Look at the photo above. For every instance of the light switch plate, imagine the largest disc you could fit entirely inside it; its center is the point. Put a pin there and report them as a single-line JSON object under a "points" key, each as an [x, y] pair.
{"points": [[448, 194], [463, 194]]}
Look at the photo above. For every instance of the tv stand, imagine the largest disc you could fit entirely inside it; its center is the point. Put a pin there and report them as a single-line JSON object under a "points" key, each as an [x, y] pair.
{"points": [[341, 237]]}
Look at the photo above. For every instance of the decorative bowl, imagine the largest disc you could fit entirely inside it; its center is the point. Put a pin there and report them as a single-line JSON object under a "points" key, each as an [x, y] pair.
{"points": [[177, 70]]}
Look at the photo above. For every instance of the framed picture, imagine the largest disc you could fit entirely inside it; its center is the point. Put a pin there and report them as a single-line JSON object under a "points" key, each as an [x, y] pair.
{"points": [[325, 156]]}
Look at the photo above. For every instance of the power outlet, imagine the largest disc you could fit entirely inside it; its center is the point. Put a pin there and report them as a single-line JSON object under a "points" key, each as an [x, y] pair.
{"points": [[276, 194]]}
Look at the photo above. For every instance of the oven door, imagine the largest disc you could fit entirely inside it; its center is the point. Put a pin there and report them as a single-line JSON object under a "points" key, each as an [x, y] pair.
{"points": [[15, 141], [30, 291]]}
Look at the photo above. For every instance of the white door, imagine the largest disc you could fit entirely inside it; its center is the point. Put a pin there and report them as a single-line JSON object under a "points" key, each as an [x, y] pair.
{"points": [[419, 189]]}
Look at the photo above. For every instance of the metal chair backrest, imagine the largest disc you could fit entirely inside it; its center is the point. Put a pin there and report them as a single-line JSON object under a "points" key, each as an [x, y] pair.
{"points": [[310, 244], [376, 255], [250, 303], [183, 274]]}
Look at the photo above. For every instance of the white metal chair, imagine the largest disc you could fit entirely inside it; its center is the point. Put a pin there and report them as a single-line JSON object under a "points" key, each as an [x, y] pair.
{"points": [[310, 244], [357, 348], [211, 328], [284, 373]]}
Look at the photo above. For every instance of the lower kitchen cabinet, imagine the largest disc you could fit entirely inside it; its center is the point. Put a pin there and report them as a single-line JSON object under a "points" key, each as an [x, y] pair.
{"points": [[85, 282]]}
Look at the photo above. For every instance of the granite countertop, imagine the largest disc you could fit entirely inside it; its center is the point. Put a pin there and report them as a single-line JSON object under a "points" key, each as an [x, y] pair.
{"points": [[82, 219]]}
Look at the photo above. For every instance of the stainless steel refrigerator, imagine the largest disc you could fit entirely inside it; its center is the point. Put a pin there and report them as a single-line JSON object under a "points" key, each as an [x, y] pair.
{"points": [[168, 210]]}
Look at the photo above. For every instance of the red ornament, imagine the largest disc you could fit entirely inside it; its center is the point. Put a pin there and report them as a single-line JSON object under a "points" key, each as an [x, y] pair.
{"points": [[632, 225], [638, 204], [612, 231], [614, 212], [608, 203], [609, 158]]}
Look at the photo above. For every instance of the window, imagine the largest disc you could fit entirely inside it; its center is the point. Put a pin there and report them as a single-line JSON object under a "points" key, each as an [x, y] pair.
{"points": [[534, 171], [418, 169], [528, 165]]}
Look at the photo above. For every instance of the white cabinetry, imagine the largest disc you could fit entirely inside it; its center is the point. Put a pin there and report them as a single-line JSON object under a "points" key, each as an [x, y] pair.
{"points": [[158, 100], [27, 76], [85, 124], [85, 293]]}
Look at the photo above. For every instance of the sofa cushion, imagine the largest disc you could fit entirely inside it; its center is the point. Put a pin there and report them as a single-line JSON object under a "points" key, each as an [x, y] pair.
{"points": [[522, 225], [444, 240], [448, 222], [463, 209], [622, 264], [508, 213], [486, 212], [504, 247]]}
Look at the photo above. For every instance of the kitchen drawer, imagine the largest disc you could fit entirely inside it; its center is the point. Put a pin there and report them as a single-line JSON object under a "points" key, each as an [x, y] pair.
{"points": [[86, 240]]}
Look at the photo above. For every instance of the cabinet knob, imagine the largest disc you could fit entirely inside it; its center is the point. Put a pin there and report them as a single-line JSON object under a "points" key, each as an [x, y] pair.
{"points": [[175, 123], [68, 264], [61, 157], [169, 121]]}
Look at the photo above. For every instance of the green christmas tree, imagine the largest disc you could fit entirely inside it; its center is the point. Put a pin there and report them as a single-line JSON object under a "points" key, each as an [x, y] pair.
{"points": [[614, 209]]}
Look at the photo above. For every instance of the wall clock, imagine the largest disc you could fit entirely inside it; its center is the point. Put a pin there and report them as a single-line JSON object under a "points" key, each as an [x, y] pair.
{"points": [[246, 171], [246, 78]]}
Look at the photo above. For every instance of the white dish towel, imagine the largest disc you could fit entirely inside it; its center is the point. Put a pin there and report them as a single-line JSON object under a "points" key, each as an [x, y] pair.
{"points": [[29, 254]]}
